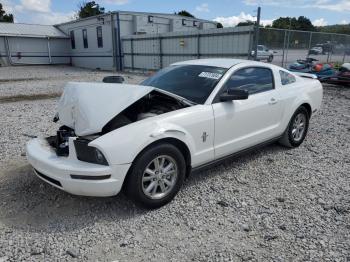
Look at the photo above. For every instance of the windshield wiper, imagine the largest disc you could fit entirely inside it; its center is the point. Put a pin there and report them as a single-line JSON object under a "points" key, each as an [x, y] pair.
{"points": [[188, 102]]}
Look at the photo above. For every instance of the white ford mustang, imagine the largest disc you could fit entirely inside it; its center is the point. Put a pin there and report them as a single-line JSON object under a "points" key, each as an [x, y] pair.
{"points": [[146, 138]]}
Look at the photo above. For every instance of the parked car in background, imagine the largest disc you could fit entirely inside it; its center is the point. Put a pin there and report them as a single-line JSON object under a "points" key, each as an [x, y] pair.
{"points": [[316, 50], [147, 138], [326, 47], [263, 54]]}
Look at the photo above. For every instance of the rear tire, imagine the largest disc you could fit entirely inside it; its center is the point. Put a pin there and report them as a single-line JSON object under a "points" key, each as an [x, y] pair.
{"points": [[270, 59], [297, 129], [156, 176]]}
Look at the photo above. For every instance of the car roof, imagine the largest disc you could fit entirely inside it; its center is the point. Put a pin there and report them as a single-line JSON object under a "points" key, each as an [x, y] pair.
{"points": [[219, 62]]}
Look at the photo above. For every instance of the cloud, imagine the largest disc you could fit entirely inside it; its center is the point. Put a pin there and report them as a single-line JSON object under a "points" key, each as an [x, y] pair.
{"points": [[344, 22], [42, 6], [242, 17], [331, 5], [116, 2], [53, 18], [340, 6], [36, 12], [204, 8], [7, 6], [320, 22]]}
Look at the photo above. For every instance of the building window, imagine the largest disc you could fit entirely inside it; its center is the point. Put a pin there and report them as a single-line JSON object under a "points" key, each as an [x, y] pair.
{"points": [[150, 19], [183, 21], [85, 39], [195, 23], [99, 36], [72, 39]]}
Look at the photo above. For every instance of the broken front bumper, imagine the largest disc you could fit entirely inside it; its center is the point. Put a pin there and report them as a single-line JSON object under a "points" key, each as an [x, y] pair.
{"points": [[72, 175]]}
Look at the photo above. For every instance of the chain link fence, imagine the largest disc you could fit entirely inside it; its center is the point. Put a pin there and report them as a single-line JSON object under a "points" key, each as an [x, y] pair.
{"points": [[155, 51], [278, 46], [287, 46]]}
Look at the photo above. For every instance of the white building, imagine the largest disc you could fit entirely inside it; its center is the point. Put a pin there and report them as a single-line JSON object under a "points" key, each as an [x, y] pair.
{"points": [[25, 44], [92, 42], [95, 41]]}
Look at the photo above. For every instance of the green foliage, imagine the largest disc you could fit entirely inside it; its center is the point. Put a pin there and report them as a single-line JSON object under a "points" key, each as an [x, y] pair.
{"points": [[246, 23], [184, 13], [339, 29], [219, 25], [7, 18], [87, 9], [302, 23]]}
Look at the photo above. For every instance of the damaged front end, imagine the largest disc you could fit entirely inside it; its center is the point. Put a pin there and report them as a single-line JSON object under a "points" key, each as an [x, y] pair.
{"points": [[90, 110], [83, 152], [61, 140]]}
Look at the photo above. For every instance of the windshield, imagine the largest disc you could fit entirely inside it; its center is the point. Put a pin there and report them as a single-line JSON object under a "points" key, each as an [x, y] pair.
{"points": [[193, 82]]}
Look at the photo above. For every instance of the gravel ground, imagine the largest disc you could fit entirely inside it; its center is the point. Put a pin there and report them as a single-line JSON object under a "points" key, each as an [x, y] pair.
{"points": [[24, 80], [271, 205]]}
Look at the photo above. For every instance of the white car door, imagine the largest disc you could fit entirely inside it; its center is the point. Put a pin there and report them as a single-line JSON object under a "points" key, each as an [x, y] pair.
{"points": [[244, 123]]}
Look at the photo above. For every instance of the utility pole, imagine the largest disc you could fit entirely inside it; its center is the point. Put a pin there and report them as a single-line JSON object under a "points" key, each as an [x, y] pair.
{"points": [[257, 29]]}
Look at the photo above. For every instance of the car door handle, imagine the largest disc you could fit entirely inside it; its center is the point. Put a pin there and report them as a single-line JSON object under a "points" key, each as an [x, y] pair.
{"points": [[273, 101]]}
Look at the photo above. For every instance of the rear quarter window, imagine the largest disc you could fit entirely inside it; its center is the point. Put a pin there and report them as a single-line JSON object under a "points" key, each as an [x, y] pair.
{"points": [[286, 78]]}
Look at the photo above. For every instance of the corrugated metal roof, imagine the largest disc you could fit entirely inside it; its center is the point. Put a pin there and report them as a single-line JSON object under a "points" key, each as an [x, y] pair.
{"points": [[139, 13], [29, 30]]}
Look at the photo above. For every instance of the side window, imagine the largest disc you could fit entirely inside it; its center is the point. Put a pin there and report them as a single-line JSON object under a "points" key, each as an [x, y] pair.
{"points": [[260, 48], [286, 78], [252, 79], [72, 39], [99, 37], [85, 39]]}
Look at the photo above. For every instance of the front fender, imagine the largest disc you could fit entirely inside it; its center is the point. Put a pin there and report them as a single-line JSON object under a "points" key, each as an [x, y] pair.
{"points": [[121, 146]]}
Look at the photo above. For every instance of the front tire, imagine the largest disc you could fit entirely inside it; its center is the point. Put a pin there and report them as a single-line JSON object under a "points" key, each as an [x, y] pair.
{"points": [[156, 176], [297, 129]]}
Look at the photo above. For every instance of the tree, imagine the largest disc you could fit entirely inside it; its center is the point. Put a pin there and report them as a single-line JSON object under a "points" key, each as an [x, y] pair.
{"points": [[7, 18], [246, 23], [219, 25], [339, 29], [285, 23], [87, 9], [184, 13], [302, 23]]}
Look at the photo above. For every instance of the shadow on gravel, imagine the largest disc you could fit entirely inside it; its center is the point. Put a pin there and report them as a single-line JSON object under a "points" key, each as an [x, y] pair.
{"points": [[32, 205], [18, 98]]}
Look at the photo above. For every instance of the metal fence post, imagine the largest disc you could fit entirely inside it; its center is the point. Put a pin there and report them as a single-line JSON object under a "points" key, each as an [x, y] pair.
{"points": [[132, 53], [310, 41], [198, 46], [160, 53], [284, 46], [257, 29], [251, 40], [287, 47]]}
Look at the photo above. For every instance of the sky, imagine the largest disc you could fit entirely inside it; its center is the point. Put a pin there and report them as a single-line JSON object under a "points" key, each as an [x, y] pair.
{"points": [[228, 12]]}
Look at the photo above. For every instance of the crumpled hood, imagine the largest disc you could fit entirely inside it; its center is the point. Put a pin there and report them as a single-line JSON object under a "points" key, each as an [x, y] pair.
{"points": [[88, 107]]}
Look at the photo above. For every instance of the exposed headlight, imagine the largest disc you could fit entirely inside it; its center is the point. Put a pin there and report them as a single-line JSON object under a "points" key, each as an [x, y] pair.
{"points": [[88, 153]]}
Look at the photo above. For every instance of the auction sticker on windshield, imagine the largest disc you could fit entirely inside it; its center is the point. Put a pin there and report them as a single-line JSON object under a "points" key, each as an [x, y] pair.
{"points": [[210, 75]]}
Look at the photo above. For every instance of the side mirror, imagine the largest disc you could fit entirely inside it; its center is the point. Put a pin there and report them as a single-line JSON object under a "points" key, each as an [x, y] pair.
{"points": [[234, 94], [113, 79]]}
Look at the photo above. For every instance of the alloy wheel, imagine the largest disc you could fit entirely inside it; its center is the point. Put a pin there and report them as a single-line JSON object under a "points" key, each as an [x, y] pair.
{"points": [[299, 126], [159, 177]]}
